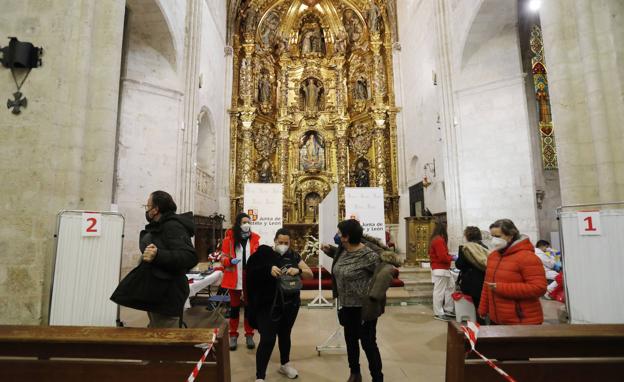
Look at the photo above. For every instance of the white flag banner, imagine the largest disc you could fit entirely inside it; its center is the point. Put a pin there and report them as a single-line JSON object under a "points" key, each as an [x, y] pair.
{"points": [[366, 204], [264, 204], [328, 221]]}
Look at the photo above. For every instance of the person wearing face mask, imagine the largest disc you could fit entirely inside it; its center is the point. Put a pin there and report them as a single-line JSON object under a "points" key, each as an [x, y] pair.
{"points": [[167, 254], [353, 275], [443, 283], [274, 314], [238, 245], [514, 279]]}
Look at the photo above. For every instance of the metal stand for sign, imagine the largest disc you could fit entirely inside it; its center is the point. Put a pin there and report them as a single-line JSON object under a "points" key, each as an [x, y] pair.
{"points": [[335, 342], [320, 301], [591, 242]]}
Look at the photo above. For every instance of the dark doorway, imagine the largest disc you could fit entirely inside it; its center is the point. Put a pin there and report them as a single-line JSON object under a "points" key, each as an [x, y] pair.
{"points": [[417, 200]]}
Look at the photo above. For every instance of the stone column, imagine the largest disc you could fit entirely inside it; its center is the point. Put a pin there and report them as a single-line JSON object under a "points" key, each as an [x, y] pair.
{"points": [[449, 126], [188, 134], [583, 47]]}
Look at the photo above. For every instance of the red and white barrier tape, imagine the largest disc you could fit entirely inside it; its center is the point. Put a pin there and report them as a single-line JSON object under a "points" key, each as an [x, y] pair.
{"points": [[201, 361], [471, 331]]}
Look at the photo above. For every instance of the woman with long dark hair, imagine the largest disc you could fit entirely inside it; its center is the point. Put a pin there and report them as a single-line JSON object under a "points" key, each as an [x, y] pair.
{"points": [[238, 245], [443, 284], [471, 262]]}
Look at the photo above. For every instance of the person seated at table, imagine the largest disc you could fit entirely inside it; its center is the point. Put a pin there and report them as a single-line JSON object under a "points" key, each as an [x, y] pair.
{"points": [[547, 256], [238, 245], [271, 311]]}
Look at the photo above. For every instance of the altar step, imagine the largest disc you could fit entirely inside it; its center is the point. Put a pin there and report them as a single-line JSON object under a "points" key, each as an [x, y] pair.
{"points": [[418, 288]]}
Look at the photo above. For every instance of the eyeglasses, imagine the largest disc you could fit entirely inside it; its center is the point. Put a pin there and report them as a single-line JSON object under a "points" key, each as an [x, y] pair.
{"points": [[147, 207]]}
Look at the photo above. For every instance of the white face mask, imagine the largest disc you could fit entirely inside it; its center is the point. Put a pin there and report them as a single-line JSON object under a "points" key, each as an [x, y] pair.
{"points": [[498, 242], [281, 249], [245, 227]]}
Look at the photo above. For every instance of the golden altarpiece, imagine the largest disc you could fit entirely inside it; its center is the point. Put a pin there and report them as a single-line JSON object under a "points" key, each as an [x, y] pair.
{"points": [[313, 102]]}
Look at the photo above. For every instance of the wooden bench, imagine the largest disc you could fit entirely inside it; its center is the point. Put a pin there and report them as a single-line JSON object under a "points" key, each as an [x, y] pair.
{"points": [[538, 353], [93, 354]]}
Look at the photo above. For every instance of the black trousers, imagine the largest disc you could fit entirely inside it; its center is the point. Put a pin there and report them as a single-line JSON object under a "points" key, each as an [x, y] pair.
{"points": [[356, 332], [269, 330]]}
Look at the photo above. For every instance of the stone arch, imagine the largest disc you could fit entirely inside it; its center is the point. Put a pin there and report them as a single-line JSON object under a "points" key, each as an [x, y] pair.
{"points": [[151, 44], [490, 19], [206, 142]]}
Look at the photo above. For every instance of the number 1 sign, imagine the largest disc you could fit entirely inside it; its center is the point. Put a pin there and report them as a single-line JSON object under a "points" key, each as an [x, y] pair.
{"points": [[91, 224], [589, 223]]}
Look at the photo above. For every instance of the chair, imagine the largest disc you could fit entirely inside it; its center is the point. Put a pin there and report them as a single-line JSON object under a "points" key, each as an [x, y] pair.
{"points": [[217, 303]]}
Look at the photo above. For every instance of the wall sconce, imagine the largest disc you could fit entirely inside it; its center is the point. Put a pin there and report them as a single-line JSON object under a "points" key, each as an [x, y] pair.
{"points": [[431, 168], [539, 198], [20, 55]]}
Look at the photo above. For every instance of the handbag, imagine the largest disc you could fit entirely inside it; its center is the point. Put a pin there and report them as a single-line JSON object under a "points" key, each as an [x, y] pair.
{"points": [[289, 285]]}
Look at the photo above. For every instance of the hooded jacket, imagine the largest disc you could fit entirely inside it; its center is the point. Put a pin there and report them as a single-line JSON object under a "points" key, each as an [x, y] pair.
{"points": [[520, 282], [230, 271], [171, 234]]}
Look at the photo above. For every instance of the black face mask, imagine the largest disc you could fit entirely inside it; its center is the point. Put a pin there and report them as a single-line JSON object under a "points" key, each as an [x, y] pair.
{"points": [[147, 217]]}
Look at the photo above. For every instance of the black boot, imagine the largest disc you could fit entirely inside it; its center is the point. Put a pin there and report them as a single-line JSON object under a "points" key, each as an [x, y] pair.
{"points": [[355, 378]]}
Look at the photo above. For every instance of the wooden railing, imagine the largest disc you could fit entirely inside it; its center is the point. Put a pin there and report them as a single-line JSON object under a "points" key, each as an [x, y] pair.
{"points": [[93, 354], [538, 353]]}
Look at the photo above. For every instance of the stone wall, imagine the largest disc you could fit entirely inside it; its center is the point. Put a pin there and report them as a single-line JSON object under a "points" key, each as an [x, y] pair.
{"points": [[58, 154], [215, 72], [482, 142], [150, 116], [419, 129]]}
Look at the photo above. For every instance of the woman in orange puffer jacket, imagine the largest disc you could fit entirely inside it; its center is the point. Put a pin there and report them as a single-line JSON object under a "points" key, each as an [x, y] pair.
{"points": [[514, 279]]}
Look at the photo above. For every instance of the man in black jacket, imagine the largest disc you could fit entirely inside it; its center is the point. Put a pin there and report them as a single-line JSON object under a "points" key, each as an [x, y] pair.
{"points": [[167, 248]]}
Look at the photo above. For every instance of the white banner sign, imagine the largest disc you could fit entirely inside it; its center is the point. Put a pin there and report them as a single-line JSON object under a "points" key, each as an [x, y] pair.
{"points": [[366, 204], [263, 203], [328, 222]]}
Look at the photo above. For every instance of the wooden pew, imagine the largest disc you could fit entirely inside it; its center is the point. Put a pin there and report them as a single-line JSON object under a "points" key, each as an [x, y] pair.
{"points": [[538, 353], [93, 354]]}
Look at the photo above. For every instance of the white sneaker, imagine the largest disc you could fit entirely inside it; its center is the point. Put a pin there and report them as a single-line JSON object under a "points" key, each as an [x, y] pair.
{"points": [[288, 371], [259, 380]]}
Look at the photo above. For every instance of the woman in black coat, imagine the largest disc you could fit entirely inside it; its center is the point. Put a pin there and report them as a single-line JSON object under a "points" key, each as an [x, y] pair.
{"points": [[471, 261], [158, 284], [270, 311]]}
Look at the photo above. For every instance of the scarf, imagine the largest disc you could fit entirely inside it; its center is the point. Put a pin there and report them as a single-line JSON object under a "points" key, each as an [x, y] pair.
{"points": [[476, 254]]}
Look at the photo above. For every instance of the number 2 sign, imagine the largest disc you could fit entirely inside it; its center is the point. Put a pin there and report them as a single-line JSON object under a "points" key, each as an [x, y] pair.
{"points": [[589, 223], [91, 224]]}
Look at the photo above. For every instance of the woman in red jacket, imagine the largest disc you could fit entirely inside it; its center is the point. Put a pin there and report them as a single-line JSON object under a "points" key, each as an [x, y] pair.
{"points": [[443, 283], [239, 243], [514, 279]]}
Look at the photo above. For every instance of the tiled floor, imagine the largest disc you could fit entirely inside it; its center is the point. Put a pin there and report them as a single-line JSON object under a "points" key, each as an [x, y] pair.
{"points": [[412, 344]]}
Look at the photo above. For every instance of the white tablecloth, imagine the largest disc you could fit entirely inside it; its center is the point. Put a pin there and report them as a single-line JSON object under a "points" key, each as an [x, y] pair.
{"points": [[198, 284]]}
